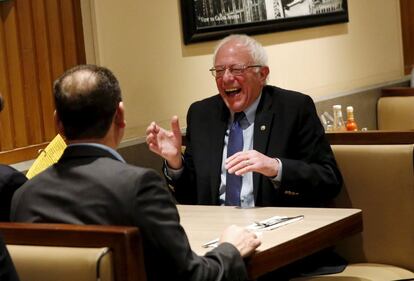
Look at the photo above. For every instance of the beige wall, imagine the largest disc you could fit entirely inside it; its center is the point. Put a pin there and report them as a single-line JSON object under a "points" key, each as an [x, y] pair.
{"points": [[141, 42]]}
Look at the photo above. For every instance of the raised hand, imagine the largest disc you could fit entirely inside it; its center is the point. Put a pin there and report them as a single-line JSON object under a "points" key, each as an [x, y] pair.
{"points": [[166, 143]]}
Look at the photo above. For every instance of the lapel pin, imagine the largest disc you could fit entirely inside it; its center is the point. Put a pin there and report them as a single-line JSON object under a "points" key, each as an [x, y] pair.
{"points": [[262, 128]]}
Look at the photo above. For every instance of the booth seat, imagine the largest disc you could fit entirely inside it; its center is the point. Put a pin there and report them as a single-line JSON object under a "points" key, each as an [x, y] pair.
{"points": [[395, 109], [64, 252], [62, 263], [379, 180]]}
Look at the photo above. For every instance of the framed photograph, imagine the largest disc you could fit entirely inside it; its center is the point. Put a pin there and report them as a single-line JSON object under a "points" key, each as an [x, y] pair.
{"points": [[204, 20]]}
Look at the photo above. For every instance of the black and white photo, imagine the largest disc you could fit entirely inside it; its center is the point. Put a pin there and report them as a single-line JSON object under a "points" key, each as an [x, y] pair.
{"points": [[211, 19]]}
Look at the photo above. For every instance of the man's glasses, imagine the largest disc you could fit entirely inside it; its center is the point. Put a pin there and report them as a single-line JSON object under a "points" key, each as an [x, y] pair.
{"points": [[235, 69]]}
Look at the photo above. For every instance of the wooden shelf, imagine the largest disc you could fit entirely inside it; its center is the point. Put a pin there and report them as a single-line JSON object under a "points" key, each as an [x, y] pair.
{"points": [[397, 92], [371, 137]]}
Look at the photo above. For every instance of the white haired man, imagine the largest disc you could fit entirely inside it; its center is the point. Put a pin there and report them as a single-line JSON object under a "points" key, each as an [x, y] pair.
{"points": [[283, 158]]}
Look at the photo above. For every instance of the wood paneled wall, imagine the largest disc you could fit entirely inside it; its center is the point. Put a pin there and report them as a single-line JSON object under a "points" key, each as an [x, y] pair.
{"points": [[39, 39]]}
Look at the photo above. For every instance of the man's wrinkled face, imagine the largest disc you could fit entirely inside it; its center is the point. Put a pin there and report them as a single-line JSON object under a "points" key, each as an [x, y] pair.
{"points": [[239, 89]]}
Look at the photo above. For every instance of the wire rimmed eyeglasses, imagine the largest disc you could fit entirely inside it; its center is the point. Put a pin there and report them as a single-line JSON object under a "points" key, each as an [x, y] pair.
{"points": [[235, 69]]}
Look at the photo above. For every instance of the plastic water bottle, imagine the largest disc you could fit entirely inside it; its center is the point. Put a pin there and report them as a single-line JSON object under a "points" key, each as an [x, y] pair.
{"points": [[339, 124], [327, 121]]}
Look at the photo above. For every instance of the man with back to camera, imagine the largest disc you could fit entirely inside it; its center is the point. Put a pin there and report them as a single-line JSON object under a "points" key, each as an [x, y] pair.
{"points": [[91, 184], [283, 158]]}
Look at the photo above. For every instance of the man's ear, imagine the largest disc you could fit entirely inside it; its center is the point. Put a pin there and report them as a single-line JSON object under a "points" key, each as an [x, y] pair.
{"points": [[120, 116], [58, 124], [264, 72]]}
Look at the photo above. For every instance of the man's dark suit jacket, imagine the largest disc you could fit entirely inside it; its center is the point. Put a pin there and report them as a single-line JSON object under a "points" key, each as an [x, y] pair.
{"points": [[89, 186], [7, 270], [10, 181], [286, 126]]}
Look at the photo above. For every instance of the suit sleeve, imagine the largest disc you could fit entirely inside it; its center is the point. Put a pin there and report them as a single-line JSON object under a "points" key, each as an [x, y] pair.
{"points": [[10, 181], [184, 188], [7, 270], [167, 251], [313, 173]]}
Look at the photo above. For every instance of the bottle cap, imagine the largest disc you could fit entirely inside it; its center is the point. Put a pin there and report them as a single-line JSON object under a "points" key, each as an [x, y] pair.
{"points": [[337, 106], [350, 109]]}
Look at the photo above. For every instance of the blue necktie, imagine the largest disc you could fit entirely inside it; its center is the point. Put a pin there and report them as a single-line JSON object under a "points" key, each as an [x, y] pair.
{"points": [[235, 144]]}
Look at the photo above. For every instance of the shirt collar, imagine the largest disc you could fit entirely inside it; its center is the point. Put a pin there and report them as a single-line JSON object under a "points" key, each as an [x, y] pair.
{"points": [[102, 146]]}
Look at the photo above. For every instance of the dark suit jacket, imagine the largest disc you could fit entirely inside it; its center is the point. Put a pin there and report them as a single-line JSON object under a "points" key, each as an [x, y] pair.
{"points": [[10, 181], [7, 270], [286, 126], [89, 186]]}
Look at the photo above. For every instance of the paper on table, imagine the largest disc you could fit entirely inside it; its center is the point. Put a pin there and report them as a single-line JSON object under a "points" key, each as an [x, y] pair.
{"points": [[273, 222], [47, 156], [264, 225]]}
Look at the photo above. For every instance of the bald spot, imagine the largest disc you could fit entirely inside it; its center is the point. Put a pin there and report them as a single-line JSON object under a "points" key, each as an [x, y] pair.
{"points": [[81, 82]]}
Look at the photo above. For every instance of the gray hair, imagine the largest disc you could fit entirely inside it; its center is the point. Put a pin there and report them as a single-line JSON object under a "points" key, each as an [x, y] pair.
{"points": [[256, 50]]}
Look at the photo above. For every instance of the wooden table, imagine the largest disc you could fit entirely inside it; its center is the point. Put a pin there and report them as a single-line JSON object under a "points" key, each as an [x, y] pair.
{"points": [[320, 228]]}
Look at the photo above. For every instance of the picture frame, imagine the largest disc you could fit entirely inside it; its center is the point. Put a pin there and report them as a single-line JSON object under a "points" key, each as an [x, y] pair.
{"points": [[204, 20]]}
